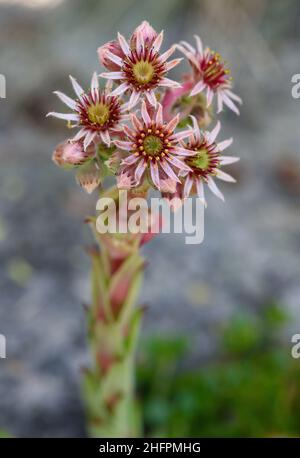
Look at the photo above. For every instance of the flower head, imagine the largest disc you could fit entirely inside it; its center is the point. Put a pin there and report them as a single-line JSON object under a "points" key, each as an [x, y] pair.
{"points": [[154, 146], [205, 162], [96, 112], [142, 69], [210, 74]]}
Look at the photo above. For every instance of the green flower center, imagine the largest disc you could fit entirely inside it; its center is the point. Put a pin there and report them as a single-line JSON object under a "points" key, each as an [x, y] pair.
{"points": [[98, 114], [201, 160], [143, 72], [152, 145]]}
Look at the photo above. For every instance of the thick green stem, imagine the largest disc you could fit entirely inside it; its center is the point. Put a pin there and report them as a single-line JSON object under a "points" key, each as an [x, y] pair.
{"points": [[113, 325]]}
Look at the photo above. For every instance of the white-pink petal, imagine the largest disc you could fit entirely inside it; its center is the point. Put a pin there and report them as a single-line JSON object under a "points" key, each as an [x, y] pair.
{"points": [[214, 133], [151, 98], [173, 123], [187, 186], [225, 176], [197, 88], [188, 46], [169, 171], [230, 103], [77, 88], [154, 174], [105, 137], [214, 188], [233, 96], [165, 56], [172, 63], [159, 115], [199, 44], [166, 82], [158, 41], [124, 45], [112, 75], [130, 160], [134, 98], [145, 114], [94, 82], [80, 134], [119, 90], [66, 100], [66, 116], [88, 139], [116, 59], [127, 146], [209, 97], [196, 129], [224, 144], [140, 169], [178, 163], [183, 134], [136, 122], [200, 190], [226, 160]]}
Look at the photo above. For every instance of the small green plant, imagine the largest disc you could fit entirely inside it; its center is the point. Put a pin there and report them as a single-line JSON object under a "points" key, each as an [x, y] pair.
{"points": [[251, 391]]}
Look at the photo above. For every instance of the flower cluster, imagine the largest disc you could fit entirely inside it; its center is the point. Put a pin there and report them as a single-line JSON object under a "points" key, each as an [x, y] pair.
{"points": [[145, 128]]}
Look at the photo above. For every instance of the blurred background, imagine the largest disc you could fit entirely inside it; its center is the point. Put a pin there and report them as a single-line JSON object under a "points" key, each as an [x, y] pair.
{"points": [[215, 351]]}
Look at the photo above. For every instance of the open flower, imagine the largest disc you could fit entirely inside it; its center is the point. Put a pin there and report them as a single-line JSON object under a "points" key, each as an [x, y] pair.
{"points": [[154, 146], [142, 69], [206, 161], [96, 112], [210, 74]]}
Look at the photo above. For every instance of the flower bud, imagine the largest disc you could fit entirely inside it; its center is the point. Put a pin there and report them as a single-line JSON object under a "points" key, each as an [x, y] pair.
{"points": [[147, 32], [71, 154], [113, 47]]}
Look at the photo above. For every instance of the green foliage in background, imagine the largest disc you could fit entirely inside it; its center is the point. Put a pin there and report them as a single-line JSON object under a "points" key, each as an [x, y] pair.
{"points": [[253, 390]]}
